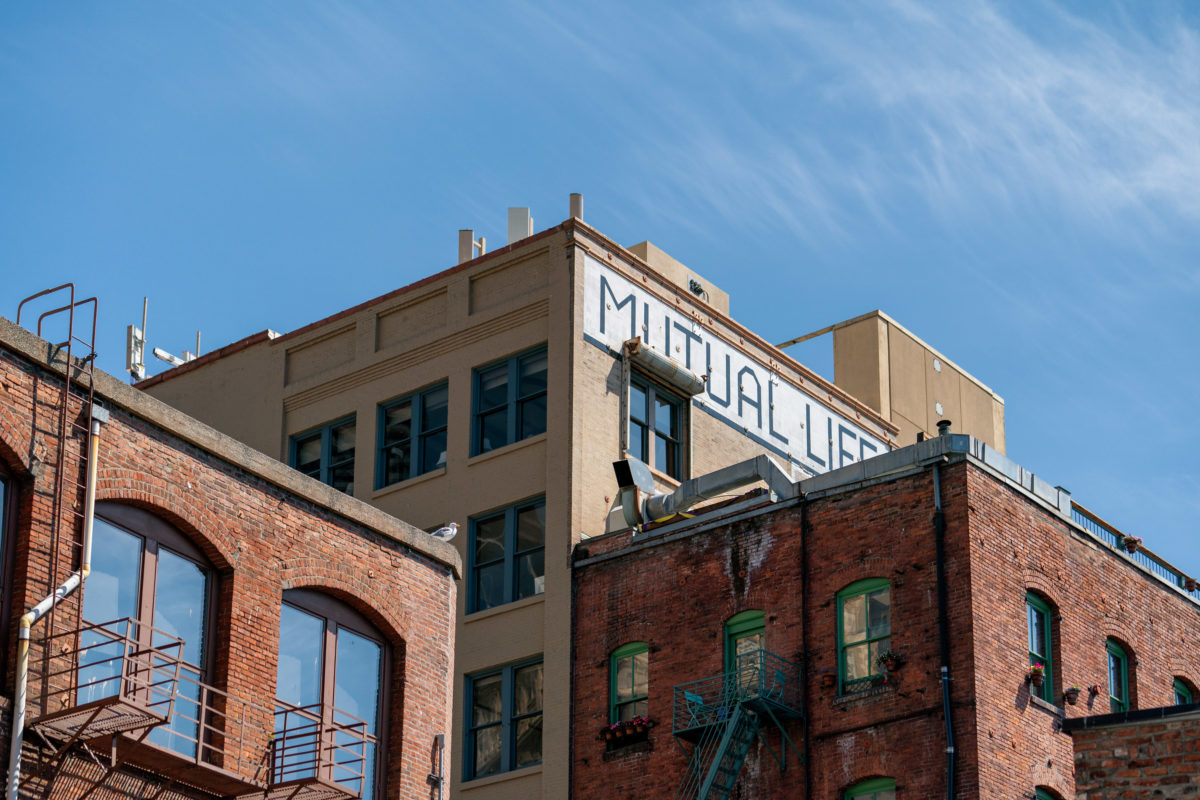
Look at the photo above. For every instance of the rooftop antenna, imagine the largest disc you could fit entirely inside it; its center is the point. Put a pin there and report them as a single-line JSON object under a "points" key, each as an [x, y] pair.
{"points": [[135, 349]]}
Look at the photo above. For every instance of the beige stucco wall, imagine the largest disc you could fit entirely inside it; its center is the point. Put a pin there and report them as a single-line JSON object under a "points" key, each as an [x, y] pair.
{"points": [[896, 373]]}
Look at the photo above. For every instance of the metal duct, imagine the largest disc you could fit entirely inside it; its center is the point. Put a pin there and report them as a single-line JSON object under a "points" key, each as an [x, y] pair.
{"points": [[659, 366]]}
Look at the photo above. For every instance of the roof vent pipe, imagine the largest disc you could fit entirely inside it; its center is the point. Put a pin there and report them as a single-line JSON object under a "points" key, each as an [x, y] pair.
{"points": [[467, 245], [943, 427], [576, 206], [520, 224], [675, 375]]}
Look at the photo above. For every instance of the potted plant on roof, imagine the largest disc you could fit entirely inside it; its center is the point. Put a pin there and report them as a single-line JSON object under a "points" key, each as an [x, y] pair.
{"points": [[1190, 584], [1071, 694], [1036, 674], [1131, 543]]}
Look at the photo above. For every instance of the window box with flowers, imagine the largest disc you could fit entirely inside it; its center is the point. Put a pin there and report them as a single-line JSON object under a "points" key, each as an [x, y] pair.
{"points": [[626, 732]]}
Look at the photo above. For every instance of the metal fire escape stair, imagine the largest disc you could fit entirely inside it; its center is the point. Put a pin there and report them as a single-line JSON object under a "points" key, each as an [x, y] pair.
{"points": [[723, 715]]}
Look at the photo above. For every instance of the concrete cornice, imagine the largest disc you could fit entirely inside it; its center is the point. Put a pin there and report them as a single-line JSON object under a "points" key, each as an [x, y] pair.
{"points": [[115, 393]]}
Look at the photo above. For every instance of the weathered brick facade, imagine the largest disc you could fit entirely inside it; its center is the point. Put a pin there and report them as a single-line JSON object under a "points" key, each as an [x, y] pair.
{"points": [[1128, 756], [265, 529], [675, 590]]}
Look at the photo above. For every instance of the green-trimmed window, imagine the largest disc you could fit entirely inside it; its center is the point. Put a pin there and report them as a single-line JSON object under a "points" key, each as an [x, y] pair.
{"points": [[327, 454], [1044, 794], [864, 630], [1118, 677], [1037, 615], [412, 435], [874, 789], [510, 401], [629, 682], [744, 636], [1183, 693], [656, 423]]}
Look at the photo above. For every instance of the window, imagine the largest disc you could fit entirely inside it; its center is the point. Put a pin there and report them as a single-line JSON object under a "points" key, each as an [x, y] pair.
{"points": [[1041, 793], [333, 666], [1118, 677], [412, 435], [146, 571], [656, 427], [864, 631], [510, 401], [874, 789], [327, 454], [629, 682], [1183, 693], [507, 555], [504, 726], [1037, 615], [744, 637]]}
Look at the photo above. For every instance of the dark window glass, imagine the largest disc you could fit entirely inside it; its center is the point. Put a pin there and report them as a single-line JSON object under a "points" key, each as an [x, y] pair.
{"points": [[656, 427], [331, 677], [510, 401], [412, 435], [327, 454], [504, 724], [507, 555]]}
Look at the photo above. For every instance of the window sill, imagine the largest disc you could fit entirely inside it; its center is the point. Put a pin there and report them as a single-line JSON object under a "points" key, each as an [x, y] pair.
{"points": [[490, 780], [864, 694], [406, 483], [1050, 708], [515, 605], [506, 449]]}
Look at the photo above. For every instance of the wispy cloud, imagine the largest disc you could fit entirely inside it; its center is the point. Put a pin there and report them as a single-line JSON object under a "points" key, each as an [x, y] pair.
{"points": [[962, 110]]}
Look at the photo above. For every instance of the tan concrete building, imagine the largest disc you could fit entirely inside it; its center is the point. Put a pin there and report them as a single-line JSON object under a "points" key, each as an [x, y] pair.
{"points": [[496, 394]]}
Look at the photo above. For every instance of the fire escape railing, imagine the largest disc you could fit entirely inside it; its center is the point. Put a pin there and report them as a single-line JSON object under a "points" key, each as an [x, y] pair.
{"points": [[722, 715], [319, 751]]}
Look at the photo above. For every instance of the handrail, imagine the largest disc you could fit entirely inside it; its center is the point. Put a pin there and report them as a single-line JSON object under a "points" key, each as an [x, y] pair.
{"points": [[758, 676], [1113, 537], [321, 742]]}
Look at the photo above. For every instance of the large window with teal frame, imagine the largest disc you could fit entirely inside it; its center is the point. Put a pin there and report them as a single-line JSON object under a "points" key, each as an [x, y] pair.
{"points": [[1041, 648], [1118, 677], [874, 789], [629, 682], [864, 625], [1183, 693], [744, 636]]}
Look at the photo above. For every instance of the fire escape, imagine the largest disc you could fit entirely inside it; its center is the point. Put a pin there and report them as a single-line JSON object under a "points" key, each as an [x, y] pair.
{"points": [[722, 715], [113, 694]]}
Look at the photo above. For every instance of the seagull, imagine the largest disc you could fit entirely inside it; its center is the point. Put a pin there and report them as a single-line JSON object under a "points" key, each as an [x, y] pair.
{"points": [[445, 533]]}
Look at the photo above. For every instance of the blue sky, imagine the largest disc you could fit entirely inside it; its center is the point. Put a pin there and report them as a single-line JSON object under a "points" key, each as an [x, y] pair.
{"points": [[1017, 183]]}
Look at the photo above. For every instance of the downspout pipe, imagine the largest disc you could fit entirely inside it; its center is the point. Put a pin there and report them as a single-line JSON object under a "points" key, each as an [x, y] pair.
{"points": [[939, 527], [31, 617], [807, 676]]}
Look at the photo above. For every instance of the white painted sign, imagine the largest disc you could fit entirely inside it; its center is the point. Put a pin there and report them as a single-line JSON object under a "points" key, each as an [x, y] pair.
{"points": [[741, 392]]}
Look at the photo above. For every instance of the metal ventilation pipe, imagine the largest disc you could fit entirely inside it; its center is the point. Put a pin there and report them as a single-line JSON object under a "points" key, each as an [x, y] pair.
{"points": [[641, 504], [943, 426], [662, 367], [576, 206]]}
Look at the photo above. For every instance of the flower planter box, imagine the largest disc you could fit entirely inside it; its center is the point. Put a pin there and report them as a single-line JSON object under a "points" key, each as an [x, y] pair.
{"points": [[1071, 696]]}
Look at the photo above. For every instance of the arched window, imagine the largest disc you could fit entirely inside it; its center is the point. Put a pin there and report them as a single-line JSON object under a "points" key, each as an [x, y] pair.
{"points": [[1041, 647], [864, 631], [147, 573], [8, 519], [629, 682], [1119, 698], [1042, 793], [1184, 692], [873, 789], [332, 676]]}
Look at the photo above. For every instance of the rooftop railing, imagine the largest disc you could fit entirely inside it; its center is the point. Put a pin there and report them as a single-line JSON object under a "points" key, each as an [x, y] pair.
{"points": [[1114, 538]]}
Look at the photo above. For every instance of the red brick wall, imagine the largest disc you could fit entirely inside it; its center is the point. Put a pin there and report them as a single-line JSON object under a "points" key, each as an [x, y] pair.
{"points": [[677, 594], [261, 540], [1158, 759]]}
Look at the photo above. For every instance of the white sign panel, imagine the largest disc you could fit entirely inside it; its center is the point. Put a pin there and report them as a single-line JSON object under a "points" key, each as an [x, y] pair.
{"points": [[740, 391]]}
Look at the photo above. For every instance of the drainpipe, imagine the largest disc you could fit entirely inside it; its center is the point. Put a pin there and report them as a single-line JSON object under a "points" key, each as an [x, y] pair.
{"points": [[939, 527], [807, 676], [99, 415]]}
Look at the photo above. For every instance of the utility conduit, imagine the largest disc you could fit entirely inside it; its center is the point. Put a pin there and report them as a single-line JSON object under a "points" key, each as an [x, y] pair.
{"points": [[31, 617]]}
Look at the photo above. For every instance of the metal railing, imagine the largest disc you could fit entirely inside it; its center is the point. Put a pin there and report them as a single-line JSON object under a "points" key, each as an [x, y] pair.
{"points": [[111, 661], [1114, 538], [758, 679], [320, 743]]}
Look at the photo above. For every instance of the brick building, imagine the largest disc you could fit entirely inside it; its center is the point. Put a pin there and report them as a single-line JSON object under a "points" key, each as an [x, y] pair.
{"points": [[756, 636], [1150, 752], [241, 630], [496, 393]]}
